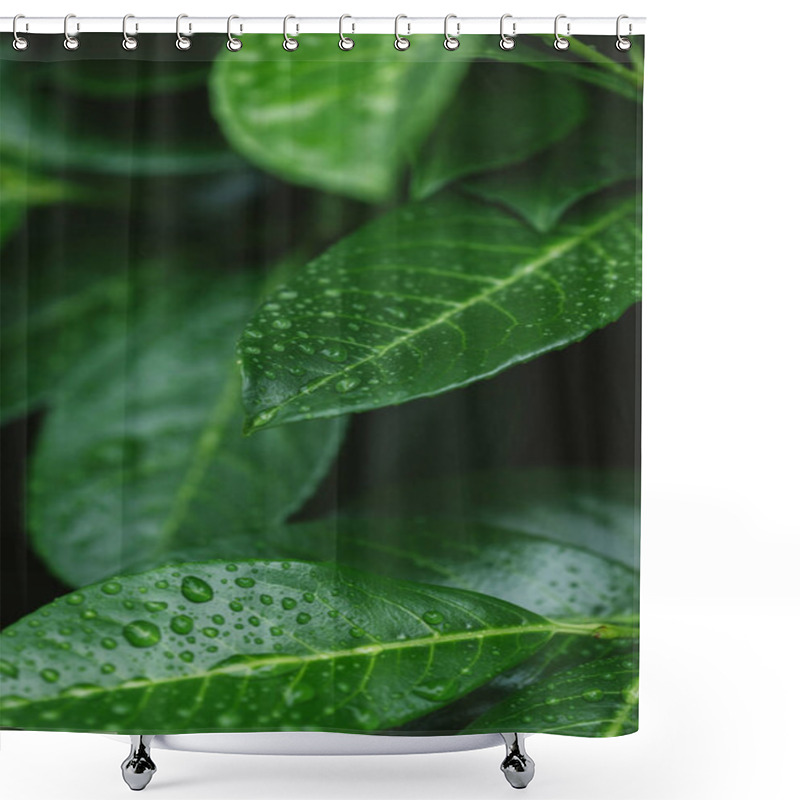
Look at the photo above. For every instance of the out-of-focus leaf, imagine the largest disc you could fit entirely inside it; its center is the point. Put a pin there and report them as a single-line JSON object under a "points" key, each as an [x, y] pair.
{"points": [[345, 122], [502, 114], [143, 451], [431, 297], [43, 134], [541, 190]]}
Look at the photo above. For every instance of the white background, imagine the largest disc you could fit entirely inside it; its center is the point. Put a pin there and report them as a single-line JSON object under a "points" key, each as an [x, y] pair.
{"points": [[720, 684]]}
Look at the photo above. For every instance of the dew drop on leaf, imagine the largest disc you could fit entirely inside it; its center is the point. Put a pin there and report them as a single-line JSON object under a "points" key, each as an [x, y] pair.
{"points": [[288, 603], [50, 675], [592, 695], [141, 633], [303, 618], [108, 643], [245, 583], [266, 599], [8, 669], [112, 587], [75, 599], [432, 617], [196, 590], [181, 624], [155, 605]]}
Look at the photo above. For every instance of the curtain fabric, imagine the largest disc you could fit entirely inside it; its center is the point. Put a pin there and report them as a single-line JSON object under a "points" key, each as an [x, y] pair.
{"points": [[320, 386]]}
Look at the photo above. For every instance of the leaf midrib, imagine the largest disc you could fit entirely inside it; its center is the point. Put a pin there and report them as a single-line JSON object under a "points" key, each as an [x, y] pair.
{"points": [[563, 246], [371, 650]]}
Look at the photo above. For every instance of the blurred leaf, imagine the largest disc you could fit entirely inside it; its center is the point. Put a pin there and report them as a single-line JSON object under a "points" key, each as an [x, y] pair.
{"points": [[68, 133], [20, 189], [345, 122], [143, 452], [431, 297], [544, 188], [51, 312], [302, 647], [594, 510], [599, 698], [127, 78], [501, 115]]}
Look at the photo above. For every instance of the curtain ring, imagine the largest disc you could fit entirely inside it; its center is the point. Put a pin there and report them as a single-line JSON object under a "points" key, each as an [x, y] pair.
{"points": [[623, 44], [128, 42], [451, 42], [70, 42], [560, 43], [233, 44], [507, 42], [400, 42], [20, 42], [289, 43], [345, 42], [182, 42]]}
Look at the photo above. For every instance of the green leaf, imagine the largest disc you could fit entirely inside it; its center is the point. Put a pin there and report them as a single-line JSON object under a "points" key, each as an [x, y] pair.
{"points": [[36, 131], [20, 189], [545, 575], [543, 189], [345, 122], [600, 698], [51, 312], [431, 297], [594, 510], [502, 114], [143, 452], [125, 78], [255, 646]]}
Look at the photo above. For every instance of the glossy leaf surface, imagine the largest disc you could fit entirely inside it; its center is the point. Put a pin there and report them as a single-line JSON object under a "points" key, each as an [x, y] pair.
{"points": [[600, 698], [429, 298], [344, 122], [255, 646]]}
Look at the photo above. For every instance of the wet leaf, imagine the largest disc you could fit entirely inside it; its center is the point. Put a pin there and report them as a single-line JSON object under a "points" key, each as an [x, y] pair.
{"points": [[431, 297], [600, 698], [255, 646]]}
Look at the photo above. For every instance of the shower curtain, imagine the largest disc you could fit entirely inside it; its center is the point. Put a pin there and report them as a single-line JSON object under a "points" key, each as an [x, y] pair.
{"points": [[320, 385]]}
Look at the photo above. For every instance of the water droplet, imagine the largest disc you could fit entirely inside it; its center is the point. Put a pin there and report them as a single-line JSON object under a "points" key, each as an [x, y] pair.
{"points": [[75, 599], [334, 353], [266, 599], [309, 597], [276, 631], [107, 669], [108, 643], [301, 693], [288, 603], [8, 669], [181, 624], [281, 324], [89, 613], [80, 690], [235, 605], [112, 587], [357, 633], [432, 617], [245, 583], [212, 633], [231, 567], [265, 417], [155, 605], [196, 589], [438, 691], [303, 618], [50, 675], [141, 633], [186, 656], [347, 385], [162, 584]]}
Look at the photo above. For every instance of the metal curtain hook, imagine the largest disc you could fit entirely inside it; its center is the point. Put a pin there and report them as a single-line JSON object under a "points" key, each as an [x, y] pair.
{"points": [[560, 43], [400, 42], [70, 42], [507, 42], [345, 42], [20, 42], [182, 42], [233, 44], [623, 43], [288, 42], [128, 42], [451, 42]]}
